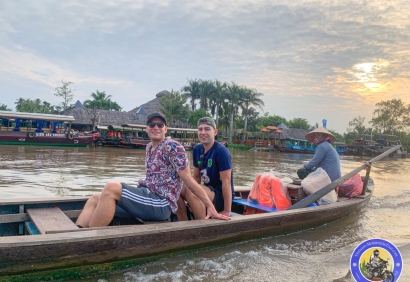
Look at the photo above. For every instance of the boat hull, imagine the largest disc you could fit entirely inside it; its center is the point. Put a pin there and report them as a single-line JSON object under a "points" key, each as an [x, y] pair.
{"points": [[44, 139], [20, 254]]}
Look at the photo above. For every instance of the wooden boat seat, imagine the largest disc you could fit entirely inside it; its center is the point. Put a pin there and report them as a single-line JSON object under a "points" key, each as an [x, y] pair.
{"points": [[51, 220]]}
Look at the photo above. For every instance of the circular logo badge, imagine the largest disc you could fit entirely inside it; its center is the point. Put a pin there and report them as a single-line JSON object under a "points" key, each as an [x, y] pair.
{"points": [[376, 260]]}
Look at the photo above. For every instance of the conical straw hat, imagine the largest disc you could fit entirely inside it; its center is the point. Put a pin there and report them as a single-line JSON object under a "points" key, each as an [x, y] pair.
{"points": [[320, 130]]}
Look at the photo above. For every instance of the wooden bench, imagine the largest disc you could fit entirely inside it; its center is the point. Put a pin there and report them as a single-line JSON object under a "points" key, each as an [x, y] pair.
{"points": [[50, 220], [258, 143], [296, 192]]}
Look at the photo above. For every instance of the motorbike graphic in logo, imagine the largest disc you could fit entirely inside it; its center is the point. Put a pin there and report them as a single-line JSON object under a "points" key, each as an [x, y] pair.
{"points": [[376, 260]]}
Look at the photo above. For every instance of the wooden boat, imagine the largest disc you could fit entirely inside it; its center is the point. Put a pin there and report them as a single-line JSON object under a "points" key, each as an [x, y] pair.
{"points": [[38, 235], [70, 247], [19, 128], [381, 144]]}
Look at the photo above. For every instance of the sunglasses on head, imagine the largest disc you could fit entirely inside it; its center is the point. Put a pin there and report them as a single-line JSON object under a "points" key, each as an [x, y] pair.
{"points": [[159, 124]]}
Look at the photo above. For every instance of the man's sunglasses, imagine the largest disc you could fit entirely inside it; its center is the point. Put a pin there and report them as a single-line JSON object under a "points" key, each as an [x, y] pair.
{"points": [[159, 124], [201, 162]]}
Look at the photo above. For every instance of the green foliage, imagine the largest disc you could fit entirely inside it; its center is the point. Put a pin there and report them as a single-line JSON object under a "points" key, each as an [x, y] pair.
{"points": [[65, 92], [249, 97], [191, 91], [3, 107], [194, 116], [33, 106], [357, 126], [217, 100], [339, 137], [300, 123], [252, 124], [238, 147], [391, 116], [174, 108], [101, 101], [274, 120], [225, 101]]}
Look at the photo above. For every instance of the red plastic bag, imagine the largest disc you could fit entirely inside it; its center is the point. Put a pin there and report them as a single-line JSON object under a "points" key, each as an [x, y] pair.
{"points": [[352, 187]]}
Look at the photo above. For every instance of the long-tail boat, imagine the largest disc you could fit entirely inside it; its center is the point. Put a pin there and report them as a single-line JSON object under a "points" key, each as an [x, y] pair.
{"points": [[38, 236], [20, 128]]}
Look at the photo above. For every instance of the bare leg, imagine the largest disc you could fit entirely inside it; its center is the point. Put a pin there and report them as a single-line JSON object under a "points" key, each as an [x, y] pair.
{"points": [[196, 205], [89, 208], [105, 210], [181, 212]]}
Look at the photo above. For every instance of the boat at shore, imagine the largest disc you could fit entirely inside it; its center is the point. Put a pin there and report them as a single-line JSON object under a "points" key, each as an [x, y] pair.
{"points": [[38, 236], [365, 147], [20, 128], [134, 136]]}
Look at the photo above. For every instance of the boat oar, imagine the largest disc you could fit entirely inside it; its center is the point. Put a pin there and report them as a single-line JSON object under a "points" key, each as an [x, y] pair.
{"points": [[320, 193]]}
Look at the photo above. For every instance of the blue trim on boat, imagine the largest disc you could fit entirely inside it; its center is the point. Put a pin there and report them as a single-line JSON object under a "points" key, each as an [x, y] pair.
{"points": [[255, 205]]}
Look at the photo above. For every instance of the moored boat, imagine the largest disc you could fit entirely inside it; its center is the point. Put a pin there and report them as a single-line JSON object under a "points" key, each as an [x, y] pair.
{"points": [[19, 128]]}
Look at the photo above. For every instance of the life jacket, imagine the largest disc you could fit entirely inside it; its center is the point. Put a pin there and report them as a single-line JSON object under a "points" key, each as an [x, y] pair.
{"points": [[268, 190]]}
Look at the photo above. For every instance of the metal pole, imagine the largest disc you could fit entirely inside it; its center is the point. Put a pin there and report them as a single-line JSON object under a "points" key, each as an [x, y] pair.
{"points": [[366, 178]]}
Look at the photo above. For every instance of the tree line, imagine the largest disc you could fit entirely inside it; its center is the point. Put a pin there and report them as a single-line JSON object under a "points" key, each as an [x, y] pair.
{"points": [[391, 117], [100, 100], [233, 107]]}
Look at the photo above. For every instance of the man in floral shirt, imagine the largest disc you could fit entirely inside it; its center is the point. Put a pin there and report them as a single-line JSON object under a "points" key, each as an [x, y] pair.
{"points": [[156, 196]]}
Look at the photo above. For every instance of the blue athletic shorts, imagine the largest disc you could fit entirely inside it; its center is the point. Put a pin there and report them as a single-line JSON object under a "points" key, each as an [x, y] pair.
{"points": [[140, 202], [218, 199]]}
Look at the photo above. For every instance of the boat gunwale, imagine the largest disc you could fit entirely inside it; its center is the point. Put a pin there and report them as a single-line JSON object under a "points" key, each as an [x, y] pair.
{"points": [[111, 232]]}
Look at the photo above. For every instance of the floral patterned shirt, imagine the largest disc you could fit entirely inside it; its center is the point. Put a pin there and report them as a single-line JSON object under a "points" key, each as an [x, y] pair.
{"points": [[163, 165]]}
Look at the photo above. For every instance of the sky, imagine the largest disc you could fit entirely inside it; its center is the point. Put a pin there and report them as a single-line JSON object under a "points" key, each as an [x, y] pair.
{"points": [[316, 60]]}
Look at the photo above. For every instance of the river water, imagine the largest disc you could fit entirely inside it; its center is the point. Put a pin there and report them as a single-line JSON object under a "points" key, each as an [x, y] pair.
{"points": [[318, 254]]}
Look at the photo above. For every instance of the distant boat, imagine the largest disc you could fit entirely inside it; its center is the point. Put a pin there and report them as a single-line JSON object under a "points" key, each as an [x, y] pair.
{"points": [[134, 136], [20, 128], [340, 147], [364, 147]]}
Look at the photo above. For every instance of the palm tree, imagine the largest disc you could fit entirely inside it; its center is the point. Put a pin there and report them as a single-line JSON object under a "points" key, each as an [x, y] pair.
{"points": [[216, 99], [206, 90], [249, 97], [101, 101], [3, 107], [33, 106], [192, 91], [233, 95], [224, 120]]}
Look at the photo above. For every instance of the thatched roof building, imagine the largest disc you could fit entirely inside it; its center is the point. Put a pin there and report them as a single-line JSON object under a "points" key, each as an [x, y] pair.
{"points": [[138, 115], [291, 134], [153, 106]]}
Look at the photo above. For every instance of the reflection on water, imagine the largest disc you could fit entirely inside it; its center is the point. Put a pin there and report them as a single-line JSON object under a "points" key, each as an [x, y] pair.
{"points": [[319, 254]]}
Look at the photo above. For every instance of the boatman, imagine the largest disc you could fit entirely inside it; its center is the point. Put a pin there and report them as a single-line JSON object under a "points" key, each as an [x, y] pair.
{"points": [[213, 165], [155, 198]]}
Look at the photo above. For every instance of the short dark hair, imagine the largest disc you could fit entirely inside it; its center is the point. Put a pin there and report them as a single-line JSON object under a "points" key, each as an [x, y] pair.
{"points": [[158, 115]]}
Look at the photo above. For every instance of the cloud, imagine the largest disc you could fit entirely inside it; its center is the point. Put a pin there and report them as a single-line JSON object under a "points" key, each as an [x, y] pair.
{"points": [[23, 63], [327, 55]]}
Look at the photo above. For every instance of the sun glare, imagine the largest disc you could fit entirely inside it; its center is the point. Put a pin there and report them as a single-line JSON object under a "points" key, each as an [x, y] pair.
{"points": [[367, 75]]}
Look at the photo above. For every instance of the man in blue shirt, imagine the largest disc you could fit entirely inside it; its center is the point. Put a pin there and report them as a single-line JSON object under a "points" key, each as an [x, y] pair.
{"points": [[213, 170]]}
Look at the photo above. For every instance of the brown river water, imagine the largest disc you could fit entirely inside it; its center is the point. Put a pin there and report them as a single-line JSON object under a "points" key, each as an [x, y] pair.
{"points": [[318, 254]]}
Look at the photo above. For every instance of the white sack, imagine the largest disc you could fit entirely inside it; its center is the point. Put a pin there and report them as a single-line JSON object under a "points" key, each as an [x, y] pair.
{"points": [[316, 181]]}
